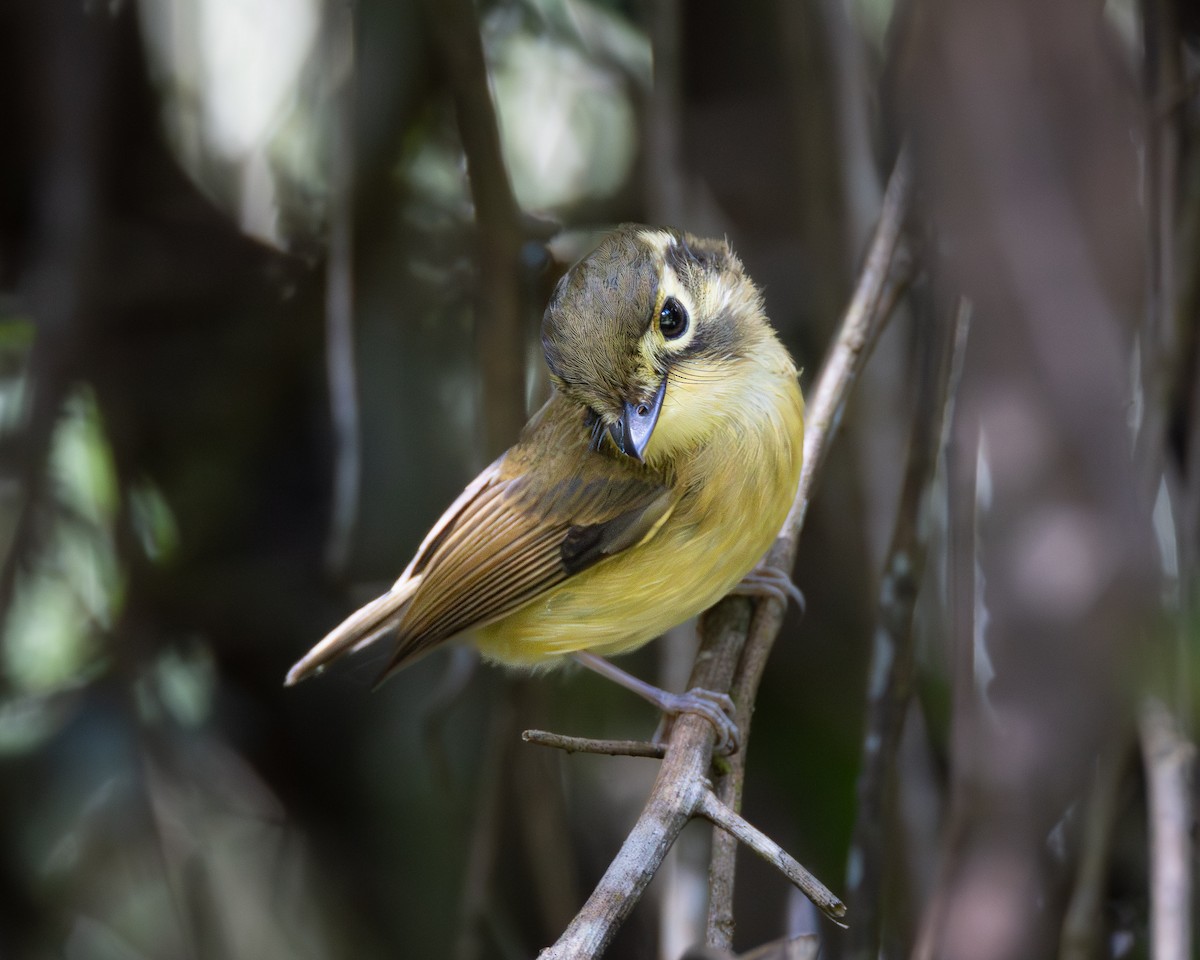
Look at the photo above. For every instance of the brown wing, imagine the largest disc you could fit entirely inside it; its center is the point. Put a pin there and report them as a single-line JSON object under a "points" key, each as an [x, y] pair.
{"points": [[519, 537], [546, 510]]}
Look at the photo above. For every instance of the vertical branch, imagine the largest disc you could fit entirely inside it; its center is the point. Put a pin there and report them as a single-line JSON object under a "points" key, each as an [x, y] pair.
{"points": [[1170, 771], [1083, 926], [485, 838], [339, 289], [1162, 78], [1022, 125], [809, 84], [861, 325], [498, 328], [962, 459], [892, 648], [1168, 756], [665, 175], [500, 351], [56, 276], [544, 827]]}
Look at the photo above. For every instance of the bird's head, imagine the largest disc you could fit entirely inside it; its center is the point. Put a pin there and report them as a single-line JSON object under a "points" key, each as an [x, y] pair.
{"points": [[657, 335]]}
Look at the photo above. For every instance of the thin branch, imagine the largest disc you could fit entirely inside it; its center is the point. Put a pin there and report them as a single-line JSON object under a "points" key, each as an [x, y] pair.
{"points": [[611, 748], [742, 830], [892, 647], [1170, 770], [875, 295]]}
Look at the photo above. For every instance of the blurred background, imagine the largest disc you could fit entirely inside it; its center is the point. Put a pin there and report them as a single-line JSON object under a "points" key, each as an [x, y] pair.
{"points": [[271, 276]]}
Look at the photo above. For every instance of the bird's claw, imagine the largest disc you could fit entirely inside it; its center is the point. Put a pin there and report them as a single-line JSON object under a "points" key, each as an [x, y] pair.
{"points": [[716, 708], [768, 581]]}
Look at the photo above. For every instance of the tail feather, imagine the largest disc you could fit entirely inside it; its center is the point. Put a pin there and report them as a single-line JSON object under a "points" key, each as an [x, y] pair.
{"points": [[361, 628]]}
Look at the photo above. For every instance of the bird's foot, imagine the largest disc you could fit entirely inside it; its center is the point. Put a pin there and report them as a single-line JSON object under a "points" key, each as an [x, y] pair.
{"points": [[716, 708], [767, 581]]}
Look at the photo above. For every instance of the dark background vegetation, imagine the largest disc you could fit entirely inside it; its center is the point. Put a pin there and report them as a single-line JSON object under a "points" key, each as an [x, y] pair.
{"points": [[258, 326]]}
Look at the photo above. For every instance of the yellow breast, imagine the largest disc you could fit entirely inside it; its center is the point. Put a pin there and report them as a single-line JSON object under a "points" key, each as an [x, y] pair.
{"points": [[736, 489]]}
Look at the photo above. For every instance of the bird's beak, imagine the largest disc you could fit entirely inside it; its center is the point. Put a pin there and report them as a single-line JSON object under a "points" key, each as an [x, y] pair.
{"points": [[632, 432]]}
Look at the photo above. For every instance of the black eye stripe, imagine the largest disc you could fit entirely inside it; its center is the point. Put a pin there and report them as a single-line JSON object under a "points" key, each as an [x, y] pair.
{"points": [[672, 319]]}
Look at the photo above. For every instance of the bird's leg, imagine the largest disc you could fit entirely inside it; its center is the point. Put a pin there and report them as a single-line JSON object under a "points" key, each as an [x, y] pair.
{"points": [[716, 708], [767, 581]]}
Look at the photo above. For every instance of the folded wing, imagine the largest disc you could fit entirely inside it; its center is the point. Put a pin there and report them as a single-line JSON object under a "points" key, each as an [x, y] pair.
{"points": [[516, 532]]}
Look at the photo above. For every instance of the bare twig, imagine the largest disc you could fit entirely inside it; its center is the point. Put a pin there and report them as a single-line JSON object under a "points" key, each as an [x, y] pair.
{"points": [[1170, 761], [612, 748], [892, 647], [864, 319], [736, 826]]}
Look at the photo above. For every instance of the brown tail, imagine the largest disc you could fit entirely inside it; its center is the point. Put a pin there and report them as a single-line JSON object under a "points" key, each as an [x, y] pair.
{"points": [[362, 627]]}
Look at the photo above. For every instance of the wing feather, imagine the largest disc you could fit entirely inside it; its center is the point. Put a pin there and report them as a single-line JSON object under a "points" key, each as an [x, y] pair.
{"points": [[546, 510], [507, 552]]}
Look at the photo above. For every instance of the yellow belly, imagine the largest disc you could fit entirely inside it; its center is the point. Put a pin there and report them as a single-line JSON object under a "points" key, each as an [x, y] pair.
{"points": [[739, 493]]}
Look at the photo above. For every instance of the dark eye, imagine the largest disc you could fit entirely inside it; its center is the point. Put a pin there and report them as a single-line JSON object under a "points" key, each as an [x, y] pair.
{"points": [[672, 319]]}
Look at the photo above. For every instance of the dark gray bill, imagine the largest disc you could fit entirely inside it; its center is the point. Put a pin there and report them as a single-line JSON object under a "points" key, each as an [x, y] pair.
{"points": [[632, 432]]}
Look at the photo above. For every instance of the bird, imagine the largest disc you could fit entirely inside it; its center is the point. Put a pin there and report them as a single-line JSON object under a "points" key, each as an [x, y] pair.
{"points": [[649, 485]]}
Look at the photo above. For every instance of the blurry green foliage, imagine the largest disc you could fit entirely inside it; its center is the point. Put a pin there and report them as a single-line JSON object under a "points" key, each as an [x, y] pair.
{"points": [[72, 588]]}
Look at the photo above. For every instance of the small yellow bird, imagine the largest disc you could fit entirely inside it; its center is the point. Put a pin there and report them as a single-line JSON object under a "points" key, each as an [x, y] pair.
{"points": [[647, 488]]}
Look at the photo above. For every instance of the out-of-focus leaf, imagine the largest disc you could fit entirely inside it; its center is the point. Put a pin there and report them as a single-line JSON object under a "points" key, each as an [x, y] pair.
{"points": [[159, 853], [47, 641], [81, 462], [873, 18], [230, 74], [154, 522], [91, 940], [27, 722], [185, 684], [566, 122], [16, 333], [73, 585], [16, 338], [604, 36]]}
